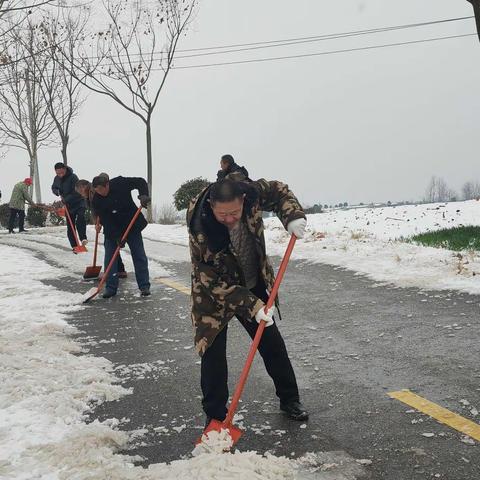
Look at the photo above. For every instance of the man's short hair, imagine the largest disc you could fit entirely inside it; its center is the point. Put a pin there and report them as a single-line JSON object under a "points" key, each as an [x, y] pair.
{"points": [[227, 158], [100, 181], [103, 174], [227, 191], [59, 165], [82, 183]]}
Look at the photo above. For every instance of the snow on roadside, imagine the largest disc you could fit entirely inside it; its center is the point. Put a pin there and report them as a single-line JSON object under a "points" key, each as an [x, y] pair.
{"points": [[48, 388], [370, 241]]}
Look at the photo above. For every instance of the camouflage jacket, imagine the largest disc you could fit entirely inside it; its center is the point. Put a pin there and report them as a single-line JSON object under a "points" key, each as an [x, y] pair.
{"points": [[19, 196], [218, 288]]}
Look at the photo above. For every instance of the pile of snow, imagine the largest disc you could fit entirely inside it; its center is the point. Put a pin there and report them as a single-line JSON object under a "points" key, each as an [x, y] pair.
{"points": [[214, 442]]}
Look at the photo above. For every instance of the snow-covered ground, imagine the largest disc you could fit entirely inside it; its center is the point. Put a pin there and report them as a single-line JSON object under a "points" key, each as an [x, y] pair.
{"points": [[48, 388], [371, 241]]}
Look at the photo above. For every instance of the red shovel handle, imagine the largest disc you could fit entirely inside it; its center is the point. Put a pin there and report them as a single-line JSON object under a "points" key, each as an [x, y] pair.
{"points": [[72, 226], [117, 251], [253, 348], [97, 233]]}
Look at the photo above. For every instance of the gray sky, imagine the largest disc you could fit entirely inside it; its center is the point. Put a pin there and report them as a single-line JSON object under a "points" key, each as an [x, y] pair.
{"points": [[357, 127]]}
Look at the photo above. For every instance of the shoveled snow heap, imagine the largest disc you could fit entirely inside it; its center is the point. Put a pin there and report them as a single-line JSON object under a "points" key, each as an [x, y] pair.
{"points": [[214, 442]]}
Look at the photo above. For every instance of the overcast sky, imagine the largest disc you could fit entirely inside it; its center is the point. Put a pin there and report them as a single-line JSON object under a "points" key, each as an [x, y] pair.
{"points": [[358, 127]]}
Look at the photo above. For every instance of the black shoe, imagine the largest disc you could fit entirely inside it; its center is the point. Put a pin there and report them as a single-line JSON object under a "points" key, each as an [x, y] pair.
{"points": [[295, 410], [11, 231], [145, 292], [109, 294]]}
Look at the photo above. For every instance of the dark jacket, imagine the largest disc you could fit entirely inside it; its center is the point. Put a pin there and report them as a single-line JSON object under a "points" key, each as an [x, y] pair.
{"points": [[218, 286], [65, 187], [233, 172], [117, 209]]}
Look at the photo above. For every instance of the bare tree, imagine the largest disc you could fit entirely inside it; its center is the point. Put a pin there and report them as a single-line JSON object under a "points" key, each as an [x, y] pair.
{"points": [[471, 190], [467, 191], [438, 191], [129, 61], [25, 120], [14, 12], [166, 215], [60, 89]]}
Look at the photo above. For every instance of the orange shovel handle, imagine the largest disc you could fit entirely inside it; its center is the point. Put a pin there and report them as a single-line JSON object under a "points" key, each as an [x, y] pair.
{"points": [[95, 250], [72, 226], [253, 348], [117, 251]]}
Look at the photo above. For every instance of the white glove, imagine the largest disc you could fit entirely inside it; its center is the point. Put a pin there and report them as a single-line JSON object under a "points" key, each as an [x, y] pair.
{"points": [[266, 317], [297, 227]]}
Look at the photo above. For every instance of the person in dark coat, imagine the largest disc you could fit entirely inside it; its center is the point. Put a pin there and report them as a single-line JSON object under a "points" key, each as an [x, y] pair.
{"points": [[230, 170], [64, 187], [84, 188], [113, 203]]}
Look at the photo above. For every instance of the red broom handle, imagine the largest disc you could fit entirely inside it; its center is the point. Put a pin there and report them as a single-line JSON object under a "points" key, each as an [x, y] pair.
{"points": [[261, 327], [97, 233], [117, 251], [72, 226]]}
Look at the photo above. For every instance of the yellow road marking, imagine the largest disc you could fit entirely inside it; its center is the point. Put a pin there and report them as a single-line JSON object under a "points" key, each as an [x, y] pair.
{"points": [[173, 284], [439, 413]]}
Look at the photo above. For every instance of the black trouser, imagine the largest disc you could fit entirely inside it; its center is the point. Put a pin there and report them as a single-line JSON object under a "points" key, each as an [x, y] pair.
{"points": [[120, 264], [214, 371], [13, 216], [77, 215]]}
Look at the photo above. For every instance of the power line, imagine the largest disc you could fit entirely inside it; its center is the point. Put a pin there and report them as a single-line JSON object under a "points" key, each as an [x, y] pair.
{"points": [[291, 41], [294, 41], [330, 52], [334, 35]]}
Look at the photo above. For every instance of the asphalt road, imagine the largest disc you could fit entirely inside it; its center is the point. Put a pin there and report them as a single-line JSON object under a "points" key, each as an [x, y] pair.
{"points": [[351, 342]]}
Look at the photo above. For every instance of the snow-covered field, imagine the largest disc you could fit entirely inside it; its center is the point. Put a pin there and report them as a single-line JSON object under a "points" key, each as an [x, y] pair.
{"points": [[370, 241]]}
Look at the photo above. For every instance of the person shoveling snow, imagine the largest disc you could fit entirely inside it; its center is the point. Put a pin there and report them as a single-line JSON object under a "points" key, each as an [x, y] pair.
{"points": [[232, 277]]}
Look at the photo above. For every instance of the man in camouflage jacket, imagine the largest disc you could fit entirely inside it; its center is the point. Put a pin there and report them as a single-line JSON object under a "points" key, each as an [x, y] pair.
{"points": [[231, 275]]}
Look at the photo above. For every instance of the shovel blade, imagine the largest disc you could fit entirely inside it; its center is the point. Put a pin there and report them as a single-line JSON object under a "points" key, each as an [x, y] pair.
{"points": [[92, 272], [80, 249], [93, 292], [217, 426], [60, 212]]}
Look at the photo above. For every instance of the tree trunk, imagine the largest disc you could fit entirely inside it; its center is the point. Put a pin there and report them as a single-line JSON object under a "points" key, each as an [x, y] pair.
{"points": [[476, 10], [149, 165], [34, 173], [64, 151], [64, 155], [36, 178]]}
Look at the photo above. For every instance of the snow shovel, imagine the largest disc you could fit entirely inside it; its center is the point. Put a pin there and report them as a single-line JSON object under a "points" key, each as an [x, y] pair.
{"points": [[94, 270], [79, 248], [216, 425], [93, 292]]}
